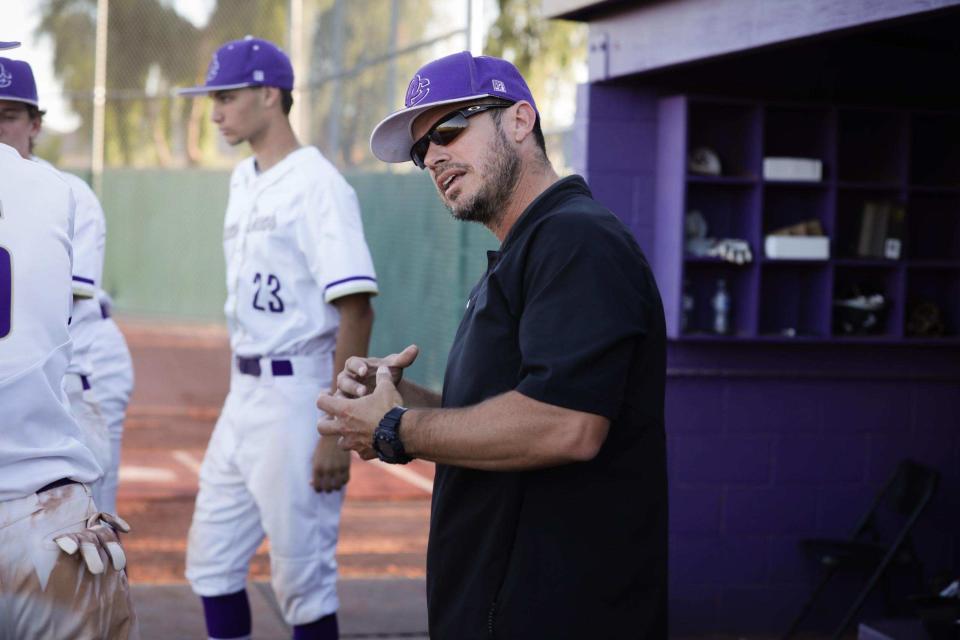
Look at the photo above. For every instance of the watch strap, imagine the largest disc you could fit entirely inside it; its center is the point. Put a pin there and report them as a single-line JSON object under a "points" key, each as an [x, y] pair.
{"points": [[386, 438]]}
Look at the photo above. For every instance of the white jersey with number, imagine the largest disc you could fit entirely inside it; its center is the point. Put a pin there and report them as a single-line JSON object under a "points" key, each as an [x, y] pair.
{"points": [[89, 242], [293, 241], [41, 442]]}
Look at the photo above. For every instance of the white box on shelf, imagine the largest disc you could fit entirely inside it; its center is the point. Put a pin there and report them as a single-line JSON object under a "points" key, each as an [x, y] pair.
{"points": [[798, 169], [797, 247]]}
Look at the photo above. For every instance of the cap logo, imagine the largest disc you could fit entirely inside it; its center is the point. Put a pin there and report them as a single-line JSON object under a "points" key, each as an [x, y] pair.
{"points": [[6, 78], [257, 75], [499, 86], [418, 90], [214, 68]]}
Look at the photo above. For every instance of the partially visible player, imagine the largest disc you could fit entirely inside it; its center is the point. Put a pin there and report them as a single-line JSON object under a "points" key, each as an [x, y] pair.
{"points": [[46, 508], [299, 278], [23, 122], [112, 383]]}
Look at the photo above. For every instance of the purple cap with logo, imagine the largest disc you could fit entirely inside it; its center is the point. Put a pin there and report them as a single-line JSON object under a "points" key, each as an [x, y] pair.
{"points": [[250, 62], [16, 82], [9, 45], [454, 78]]}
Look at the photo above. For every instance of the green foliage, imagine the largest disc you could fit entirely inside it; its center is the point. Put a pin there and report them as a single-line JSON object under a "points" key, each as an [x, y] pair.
{"points": [[545, 51], [71, 24], [151, 49], [354, 74], [353, 82]]}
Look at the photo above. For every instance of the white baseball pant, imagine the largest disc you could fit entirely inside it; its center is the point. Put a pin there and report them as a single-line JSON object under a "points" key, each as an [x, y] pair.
{"points": [[255, 481], [112, 384]]}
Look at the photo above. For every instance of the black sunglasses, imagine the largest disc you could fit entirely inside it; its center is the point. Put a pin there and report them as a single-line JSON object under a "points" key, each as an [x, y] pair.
{"points": [[446, 130]]}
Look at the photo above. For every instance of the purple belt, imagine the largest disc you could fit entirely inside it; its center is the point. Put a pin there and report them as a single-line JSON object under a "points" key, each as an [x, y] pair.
{"points": [[251, 366]]}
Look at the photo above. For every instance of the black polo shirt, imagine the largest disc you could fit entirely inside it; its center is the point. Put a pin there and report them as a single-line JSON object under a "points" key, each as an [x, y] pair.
{"points": [[568, 313]]}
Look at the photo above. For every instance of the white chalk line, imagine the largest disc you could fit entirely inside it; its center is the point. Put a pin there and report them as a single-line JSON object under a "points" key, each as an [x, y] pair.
{"points": [[408, 476], [187, 459]]}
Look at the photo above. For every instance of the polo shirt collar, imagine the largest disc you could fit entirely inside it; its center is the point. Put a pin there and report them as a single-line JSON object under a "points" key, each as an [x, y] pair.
{"points": [[545, 203]]}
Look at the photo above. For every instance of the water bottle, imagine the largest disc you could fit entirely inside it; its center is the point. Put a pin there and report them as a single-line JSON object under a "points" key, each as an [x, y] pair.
{"points": [[721, 309]]}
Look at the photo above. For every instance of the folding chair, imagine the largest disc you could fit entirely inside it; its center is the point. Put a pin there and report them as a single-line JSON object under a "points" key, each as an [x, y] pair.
{"points": [[904, 497]]}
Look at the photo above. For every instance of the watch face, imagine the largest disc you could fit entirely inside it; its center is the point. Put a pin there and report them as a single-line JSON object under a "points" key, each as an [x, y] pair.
{"points": [[386, 449]]}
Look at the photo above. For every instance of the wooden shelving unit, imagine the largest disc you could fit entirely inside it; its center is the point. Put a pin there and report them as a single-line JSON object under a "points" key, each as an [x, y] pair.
{"points": [[868, 154]]}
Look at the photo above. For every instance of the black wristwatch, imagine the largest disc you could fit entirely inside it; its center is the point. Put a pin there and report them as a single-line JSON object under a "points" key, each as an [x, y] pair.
{"points": [[386, 438]]}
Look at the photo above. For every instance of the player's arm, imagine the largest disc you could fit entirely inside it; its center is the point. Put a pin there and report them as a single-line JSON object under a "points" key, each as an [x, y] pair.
{"points": [[508, 432], [331, 464], [353, 335], [89, 240]]}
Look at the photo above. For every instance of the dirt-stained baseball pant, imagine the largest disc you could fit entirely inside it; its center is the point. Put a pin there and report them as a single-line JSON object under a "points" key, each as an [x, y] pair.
{"points": [[255, 480], [83, 406], [112, 384], [46, 594]]}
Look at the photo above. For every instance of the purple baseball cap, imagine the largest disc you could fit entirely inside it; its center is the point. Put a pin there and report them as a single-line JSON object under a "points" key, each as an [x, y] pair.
{"points": [[454, 78], [16, 82], [250, 62], [9, 45]]}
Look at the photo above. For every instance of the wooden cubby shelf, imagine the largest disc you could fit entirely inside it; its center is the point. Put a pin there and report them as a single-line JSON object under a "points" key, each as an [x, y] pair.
{"points": [[907, 159]]}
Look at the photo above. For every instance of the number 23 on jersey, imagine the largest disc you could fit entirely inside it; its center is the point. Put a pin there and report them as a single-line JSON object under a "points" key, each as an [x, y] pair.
{"points": [[268, 291]]}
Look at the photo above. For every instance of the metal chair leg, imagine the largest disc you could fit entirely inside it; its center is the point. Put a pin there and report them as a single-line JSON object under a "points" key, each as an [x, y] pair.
{"points": [[808, 605]]}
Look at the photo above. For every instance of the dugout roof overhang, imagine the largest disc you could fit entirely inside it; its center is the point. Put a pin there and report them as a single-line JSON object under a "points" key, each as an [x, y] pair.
{"points": [[629, 38], [886, 52]]}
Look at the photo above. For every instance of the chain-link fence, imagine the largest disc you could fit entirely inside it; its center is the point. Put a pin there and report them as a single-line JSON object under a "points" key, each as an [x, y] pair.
{"points": [[162, 168], [349, 57], [353, 59]]}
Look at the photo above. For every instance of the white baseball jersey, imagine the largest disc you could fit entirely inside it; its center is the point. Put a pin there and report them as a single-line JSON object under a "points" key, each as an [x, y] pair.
{"points": [[89, 241], [41, 441], [293, 242]]}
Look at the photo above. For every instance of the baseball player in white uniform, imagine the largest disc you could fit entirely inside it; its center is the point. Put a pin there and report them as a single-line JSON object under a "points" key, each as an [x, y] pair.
{"points": [[47, 514], [18, 92], [299, 278], [112, 385]]}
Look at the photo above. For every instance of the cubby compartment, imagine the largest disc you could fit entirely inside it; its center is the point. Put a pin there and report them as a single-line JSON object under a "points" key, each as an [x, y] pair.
{"points": [[799, 132], [792, 299], [700, 285], [854, 231], [730, 211], [889, 200], [731, 131], [786, 204], [852, 321], [933, 303], [870, 146], [933, 227], [935, 150]]}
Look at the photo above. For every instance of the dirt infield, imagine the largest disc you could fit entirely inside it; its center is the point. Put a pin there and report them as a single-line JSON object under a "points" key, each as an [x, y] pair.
{"points": [[182, 376]]}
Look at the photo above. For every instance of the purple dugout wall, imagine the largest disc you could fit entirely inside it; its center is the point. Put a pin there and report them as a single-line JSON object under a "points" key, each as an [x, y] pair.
{"points": [[769, 442]]}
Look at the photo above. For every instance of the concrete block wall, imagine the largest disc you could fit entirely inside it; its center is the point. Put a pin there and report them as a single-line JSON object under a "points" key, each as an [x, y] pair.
{"points": [[756, 464], [616, 127]]}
